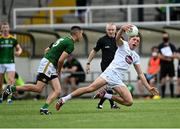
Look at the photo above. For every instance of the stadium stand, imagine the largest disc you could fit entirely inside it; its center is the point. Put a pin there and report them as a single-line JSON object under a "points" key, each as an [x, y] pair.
{"points": [[27, 42], [43, 39]]}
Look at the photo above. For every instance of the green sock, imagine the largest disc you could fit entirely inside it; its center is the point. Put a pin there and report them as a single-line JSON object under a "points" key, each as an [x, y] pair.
{"points": [[45, 106], [13, 88]]}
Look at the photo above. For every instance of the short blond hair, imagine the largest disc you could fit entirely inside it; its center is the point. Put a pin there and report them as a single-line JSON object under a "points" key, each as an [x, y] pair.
{"points": [[110, 24]]}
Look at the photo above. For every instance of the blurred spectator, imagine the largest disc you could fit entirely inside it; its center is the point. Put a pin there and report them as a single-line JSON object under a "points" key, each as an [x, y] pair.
{"points": [[174, 11], [161, 16], [76, 73], [152, 72], [178, 71], [81, 12], [166, 55], [154, 62]]}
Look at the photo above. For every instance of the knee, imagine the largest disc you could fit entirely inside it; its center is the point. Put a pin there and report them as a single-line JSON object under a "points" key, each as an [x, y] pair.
{"points": [[57, 93], [38, 89], [129, 103], [11, 81], [57, 90]]}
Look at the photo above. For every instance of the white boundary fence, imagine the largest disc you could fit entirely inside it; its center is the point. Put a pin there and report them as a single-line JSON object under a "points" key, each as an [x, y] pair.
{"points": [[89, 16]]}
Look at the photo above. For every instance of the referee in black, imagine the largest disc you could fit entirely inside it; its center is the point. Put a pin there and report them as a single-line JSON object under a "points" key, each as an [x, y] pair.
{"points": [[108, 47]]}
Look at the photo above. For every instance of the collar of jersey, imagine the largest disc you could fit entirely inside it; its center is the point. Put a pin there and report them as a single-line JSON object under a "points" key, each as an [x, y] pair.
{"points": [[70, 37], [9, 36]]}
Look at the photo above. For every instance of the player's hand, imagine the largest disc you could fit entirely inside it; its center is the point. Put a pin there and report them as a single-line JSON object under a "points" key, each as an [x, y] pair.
{"points": [[154, 91], [17, 53], [126, 27], [87, 68]]}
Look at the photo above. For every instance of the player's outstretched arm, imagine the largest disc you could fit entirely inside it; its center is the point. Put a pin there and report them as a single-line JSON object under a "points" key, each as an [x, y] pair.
{"points": [[152, 90]]}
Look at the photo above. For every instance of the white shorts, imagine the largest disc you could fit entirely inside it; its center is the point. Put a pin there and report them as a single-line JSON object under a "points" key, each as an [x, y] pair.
{"points": [[46, 67], [7, 68], [112, 78]]}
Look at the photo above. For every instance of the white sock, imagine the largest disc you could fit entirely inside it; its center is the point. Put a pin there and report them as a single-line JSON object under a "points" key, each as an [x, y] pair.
{"points": [[108, 96], [66, 98]]}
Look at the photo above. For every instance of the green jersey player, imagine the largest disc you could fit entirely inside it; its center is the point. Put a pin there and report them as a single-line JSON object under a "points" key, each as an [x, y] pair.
{"points": [[7, 45], [50, 67]]}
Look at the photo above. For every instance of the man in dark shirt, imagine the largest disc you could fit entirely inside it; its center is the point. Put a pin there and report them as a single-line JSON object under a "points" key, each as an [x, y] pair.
{"points": [[108, 47], [178, 71], [76, 73], [166, 54]]}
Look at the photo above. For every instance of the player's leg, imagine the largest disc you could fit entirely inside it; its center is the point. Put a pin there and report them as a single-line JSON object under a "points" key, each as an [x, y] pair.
{"points": [[163, 73], [110, 91], [10, 69], [114, 81], [112, 103], [98, 83], [102, 100], [11, 77], [171, 86], [124, 98], [171, 73], [2, 70], [100, 104], [10, 81], [56, 89], [178, 81], [1, 86], [178, 87], [38, 87], [42, 79]]}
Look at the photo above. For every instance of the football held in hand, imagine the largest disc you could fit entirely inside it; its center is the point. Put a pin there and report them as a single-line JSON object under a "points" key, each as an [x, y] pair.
{"points": [[133, 31]]}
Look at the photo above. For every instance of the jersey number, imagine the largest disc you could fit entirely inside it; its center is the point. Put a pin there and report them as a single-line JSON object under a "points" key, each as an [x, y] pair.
{"points": [[57, 42]]}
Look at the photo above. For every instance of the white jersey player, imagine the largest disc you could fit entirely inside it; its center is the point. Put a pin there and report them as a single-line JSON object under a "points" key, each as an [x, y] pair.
{"points": [[123, 58]]}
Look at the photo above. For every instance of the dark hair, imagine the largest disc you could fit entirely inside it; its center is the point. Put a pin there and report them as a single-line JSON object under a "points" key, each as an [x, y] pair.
{"points": [[74, 29], [164, 32], [154, 47]]}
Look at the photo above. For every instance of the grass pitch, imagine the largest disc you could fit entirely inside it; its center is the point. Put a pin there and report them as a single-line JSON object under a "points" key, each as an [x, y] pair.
{"points": [[82, 113]]}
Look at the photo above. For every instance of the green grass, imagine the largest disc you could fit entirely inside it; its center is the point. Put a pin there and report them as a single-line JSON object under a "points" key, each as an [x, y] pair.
{"points": [[81, 113]]}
